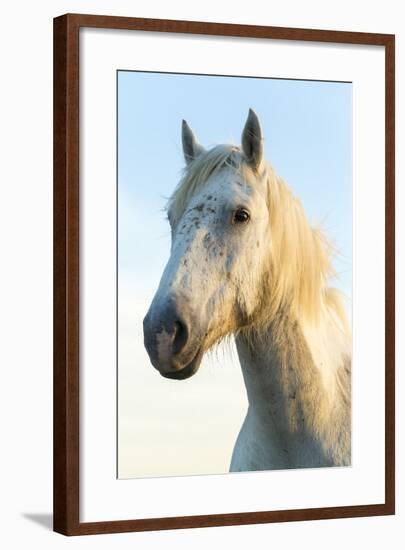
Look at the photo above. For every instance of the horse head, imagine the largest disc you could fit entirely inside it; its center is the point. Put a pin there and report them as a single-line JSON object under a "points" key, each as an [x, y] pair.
{"points": [[220, 234]]}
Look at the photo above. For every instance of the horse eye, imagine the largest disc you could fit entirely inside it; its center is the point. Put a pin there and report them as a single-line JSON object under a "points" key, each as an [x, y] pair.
{"points": [[241, 216]]}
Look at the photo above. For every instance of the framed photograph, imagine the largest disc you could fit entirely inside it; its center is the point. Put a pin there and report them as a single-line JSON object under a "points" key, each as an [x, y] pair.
{"points": [[223, 274]]}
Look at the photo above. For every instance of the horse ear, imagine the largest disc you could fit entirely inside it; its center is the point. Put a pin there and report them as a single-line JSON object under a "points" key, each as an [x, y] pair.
{"points": [[252, 140], [191, 147]]}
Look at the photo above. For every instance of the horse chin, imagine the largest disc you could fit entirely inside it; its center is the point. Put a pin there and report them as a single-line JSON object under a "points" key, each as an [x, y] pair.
{"points": [[187, 371]]}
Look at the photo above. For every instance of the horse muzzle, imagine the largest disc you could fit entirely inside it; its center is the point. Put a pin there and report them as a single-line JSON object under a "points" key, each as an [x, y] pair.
{"points": [[172, 342]]}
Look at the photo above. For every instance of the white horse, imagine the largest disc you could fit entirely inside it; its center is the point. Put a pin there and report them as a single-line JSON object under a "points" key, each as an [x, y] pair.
{"points": [[245, 262]]}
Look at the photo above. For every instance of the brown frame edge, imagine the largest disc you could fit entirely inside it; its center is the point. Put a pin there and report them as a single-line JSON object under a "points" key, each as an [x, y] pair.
{"points": [[66, 273]]}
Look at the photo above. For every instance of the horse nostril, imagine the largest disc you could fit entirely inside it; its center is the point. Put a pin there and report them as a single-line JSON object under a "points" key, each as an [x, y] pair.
{"points": [[180, 336]]}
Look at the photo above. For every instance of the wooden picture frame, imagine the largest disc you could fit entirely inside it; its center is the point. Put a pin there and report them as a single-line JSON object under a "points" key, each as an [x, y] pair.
{"points": [[67, 283]]}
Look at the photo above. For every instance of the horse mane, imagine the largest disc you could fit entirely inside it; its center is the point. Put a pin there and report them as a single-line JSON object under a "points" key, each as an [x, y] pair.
{"points": [[299, 260]]}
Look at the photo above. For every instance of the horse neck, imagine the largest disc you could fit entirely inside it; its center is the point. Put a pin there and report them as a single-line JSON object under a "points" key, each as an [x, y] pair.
{"points": [[295, 381]]}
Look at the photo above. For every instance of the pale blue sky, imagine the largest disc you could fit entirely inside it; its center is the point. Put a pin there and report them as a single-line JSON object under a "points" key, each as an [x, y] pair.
{"points": [[190, 427]]}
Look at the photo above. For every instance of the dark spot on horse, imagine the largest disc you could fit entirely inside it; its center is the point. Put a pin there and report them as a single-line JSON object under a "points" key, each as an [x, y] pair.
{"points": [[199, 207], [185, 262], [209, 197], [221, 253], [293, 395], [207, 240], [229, 262], [257, 244], [211, 210]]}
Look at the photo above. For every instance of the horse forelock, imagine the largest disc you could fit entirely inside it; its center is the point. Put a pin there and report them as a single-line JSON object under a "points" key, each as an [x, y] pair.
{"points": [[196, 174]]}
